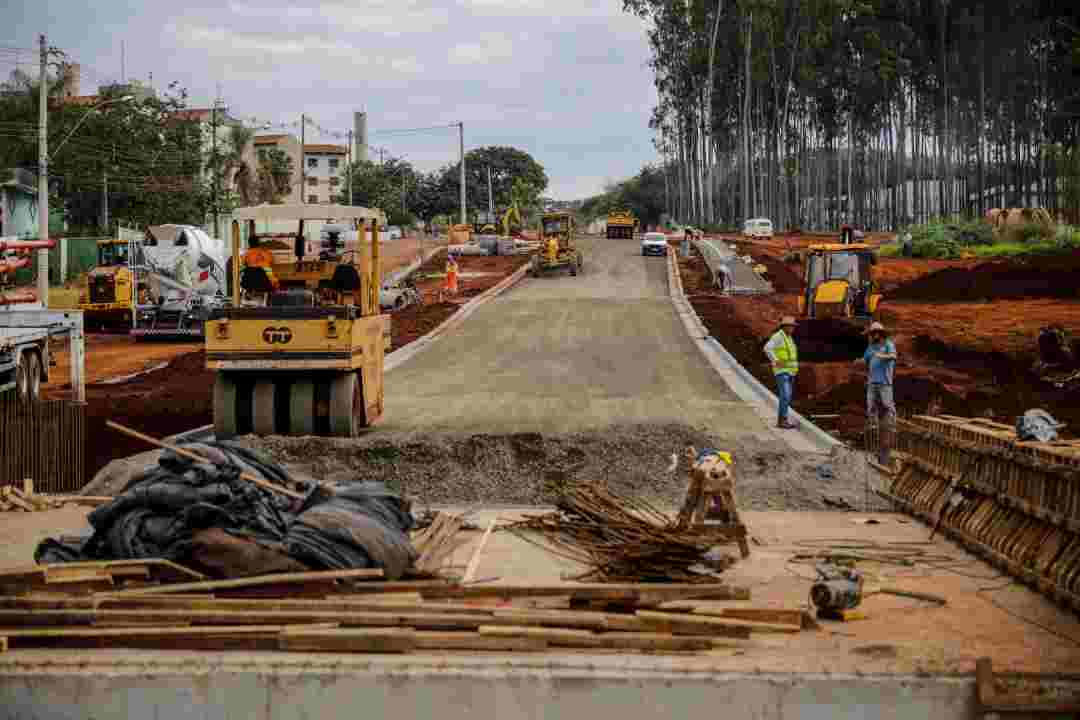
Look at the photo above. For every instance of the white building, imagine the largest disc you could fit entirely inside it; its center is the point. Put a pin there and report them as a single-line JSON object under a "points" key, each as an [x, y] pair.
{"points": [[324, 169]]}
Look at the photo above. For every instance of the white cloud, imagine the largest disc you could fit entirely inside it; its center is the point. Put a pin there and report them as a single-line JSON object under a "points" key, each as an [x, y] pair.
{"points": [[488, 49]]}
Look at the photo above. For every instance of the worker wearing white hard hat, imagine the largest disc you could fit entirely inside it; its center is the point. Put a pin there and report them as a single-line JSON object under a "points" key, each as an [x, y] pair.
{"points": [[880, 360]]}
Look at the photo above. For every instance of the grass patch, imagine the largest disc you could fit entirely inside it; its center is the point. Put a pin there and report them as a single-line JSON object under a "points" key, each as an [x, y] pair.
{"points": [[949, 241]]}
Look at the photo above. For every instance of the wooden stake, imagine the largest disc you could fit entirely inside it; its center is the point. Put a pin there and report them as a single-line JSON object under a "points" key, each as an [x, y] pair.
{"points": [[474, 562], [195, 457]]}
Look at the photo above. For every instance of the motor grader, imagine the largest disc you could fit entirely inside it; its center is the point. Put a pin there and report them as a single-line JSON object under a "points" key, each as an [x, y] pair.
{"points": [[557, 249], [299, 351], [839, 300]]}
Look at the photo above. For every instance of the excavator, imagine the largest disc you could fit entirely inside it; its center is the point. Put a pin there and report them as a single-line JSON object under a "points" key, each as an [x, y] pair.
{"points": [[840, 298]]}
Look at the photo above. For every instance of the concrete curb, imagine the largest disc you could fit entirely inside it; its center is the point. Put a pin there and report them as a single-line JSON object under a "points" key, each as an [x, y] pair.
{"points": [[401, 355], [808, 437]]}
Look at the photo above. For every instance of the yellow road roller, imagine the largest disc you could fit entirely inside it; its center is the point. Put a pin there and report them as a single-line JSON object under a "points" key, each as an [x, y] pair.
{"points": [[299, 349]]}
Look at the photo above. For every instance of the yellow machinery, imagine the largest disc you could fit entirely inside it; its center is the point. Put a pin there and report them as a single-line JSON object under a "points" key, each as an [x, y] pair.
{"points": [[105, 297], [557, 248], [512, 215], [840, 294], [620, 225], [300, 350]]}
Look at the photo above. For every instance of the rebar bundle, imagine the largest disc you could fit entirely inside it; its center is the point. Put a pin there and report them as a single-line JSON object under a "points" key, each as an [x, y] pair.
{"points": [[622, 539]]}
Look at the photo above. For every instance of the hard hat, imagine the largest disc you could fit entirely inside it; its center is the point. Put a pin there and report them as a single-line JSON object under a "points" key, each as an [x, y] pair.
{"points": [[876, 327], [787, 320]]}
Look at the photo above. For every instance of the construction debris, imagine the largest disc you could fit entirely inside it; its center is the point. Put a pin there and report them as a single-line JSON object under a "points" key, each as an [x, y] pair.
{"points": [[219, 507], [13, 499], [624, 539], [134, 606], [1014, 503]]}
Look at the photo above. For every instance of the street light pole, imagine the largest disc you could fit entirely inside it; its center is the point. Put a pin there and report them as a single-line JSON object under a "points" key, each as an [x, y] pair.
{"points": [[43, 178], [461, 148]]}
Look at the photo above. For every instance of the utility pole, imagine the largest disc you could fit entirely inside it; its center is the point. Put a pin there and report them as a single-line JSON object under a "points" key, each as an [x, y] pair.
{"points": [[43, 177], [461, 142], [303, 161], [491, 197], [104, 204], [348, 172], [214, 167]]}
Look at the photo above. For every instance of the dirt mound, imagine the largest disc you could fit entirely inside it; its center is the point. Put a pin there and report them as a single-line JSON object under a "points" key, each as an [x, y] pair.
{"points": [[529, 468], [1036, 277], [162, 402]]}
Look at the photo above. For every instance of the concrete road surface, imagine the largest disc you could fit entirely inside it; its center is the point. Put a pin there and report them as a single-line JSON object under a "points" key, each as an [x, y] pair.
{"points": [[568, 354]]}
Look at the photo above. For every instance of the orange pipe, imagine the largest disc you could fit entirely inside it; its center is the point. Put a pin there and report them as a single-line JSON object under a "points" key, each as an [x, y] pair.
{"points": [[14, 264], [21, 296], [26, 244]]}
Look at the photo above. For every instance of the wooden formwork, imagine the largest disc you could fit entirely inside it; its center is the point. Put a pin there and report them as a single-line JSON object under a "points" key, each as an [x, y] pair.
{"points": [[1015, 503]]}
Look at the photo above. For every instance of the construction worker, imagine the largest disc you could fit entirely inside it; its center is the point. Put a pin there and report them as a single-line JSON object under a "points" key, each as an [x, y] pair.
{"points": [[451, 274], [784, 357], [880, 359]]}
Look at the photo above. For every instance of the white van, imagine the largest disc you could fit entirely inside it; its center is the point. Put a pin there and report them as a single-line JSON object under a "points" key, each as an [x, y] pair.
{"points": [[758, 227]]}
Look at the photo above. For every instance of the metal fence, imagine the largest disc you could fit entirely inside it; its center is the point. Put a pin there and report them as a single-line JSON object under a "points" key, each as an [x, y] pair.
{"points": [[43, 441]]}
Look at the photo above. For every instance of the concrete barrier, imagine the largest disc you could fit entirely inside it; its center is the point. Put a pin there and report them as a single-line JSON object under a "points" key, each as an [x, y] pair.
{"points": [[260, 686]]}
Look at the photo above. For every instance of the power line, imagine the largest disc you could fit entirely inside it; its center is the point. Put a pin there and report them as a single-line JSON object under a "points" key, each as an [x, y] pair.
{"points": [[405, 131]]}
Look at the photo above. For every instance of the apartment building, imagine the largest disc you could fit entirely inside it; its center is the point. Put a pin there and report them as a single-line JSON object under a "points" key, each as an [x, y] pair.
{"points": [[324, 168]]}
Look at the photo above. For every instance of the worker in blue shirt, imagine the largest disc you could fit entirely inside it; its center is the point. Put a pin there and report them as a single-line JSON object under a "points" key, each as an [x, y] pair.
{"points": [[880, 359]]}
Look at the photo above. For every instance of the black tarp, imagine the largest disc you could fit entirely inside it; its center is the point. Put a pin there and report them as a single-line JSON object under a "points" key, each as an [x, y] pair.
{"points": [[160, 512]]}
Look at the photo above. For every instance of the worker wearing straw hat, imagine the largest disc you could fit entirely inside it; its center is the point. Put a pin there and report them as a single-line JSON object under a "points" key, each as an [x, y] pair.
{"points": [[880, 359], [784, 356]]}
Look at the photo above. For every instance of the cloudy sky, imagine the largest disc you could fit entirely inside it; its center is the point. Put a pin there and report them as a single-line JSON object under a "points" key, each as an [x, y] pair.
{"points": [[565, 80]]}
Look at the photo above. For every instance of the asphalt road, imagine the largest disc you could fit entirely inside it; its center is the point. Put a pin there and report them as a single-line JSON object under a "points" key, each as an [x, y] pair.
{"points": [[569, 354]]}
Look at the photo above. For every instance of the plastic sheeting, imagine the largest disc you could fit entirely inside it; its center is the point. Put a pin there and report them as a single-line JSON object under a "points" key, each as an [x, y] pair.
{"points": [[1037, 425], [160, 513]]}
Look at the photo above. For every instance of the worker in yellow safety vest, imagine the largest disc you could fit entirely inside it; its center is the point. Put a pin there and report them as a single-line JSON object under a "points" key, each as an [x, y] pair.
{"points": [[784, 356], [551, 249]]}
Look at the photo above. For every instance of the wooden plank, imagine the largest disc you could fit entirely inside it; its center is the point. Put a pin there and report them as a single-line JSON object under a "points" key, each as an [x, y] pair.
{"points": [[791, 618], [3, 644], [259, 580], [59, 574], [351, 641], [149, 632], [476, 642], [654, 642], [88, 500], [474, 561], [554, 618], [630, 593], [680, 624], [552, 636]]}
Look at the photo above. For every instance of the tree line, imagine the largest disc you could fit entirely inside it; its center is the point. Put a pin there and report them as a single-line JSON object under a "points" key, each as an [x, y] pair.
{"points": [[153, 161], [878, 112]]}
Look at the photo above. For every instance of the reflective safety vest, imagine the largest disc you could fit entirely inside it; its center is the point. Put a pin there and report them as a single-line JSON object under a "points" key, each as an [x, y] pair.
{"points": [[783, 353]]}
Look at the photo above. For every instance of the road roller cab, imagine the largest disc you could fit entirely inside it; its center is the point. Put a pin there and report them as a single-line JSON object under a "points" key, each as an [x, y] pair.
{"points": [[299, 350]]}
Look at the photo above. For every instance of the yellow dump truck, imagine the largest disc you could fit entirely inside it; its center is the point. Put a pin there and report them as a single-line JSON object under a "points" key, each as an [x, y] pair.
{"points": [[621, 225]]}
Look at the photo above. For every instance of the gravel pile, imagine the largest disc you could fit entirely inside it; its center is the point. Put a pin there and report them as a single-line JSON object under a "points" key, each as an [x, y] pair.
{"points": [[528, 468]]}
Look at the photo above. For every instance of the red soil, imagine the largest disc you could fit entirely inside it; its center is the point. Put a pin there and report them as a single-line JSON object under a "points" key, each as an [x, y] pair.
{"points": [[966, 332]]}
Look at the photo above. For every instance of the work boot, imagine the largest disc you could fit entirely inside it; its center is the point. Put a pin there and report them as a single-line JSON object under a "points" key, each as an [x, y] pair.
{"points": [[786, 424]]}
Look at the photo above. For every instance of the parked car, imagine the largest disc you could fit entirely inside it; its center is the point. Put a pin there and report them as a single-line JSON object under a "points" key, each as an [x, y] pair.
{"points": [[395, 232], [758, 227], [654, 243]]}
